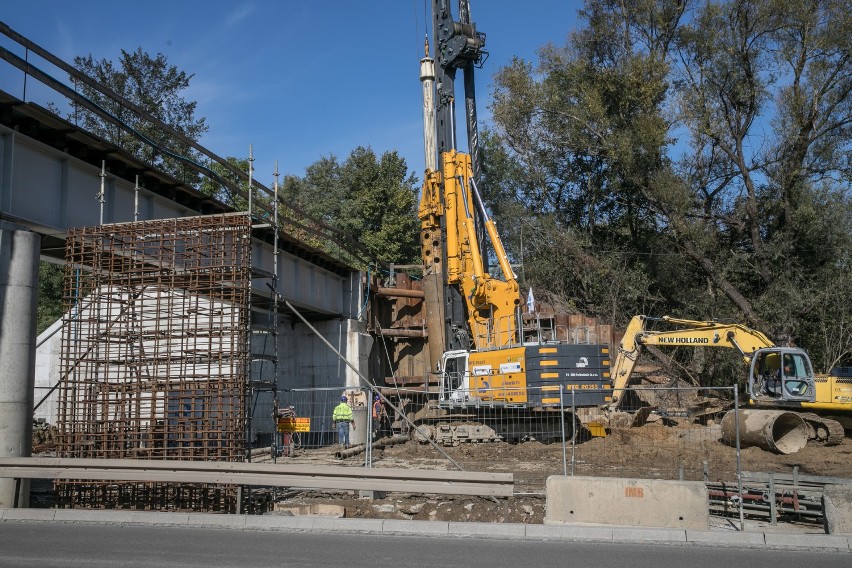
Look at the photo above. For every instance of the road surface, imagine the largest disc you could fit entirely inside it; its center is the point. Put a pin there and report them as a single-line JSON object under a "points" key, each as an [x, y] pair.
{"points": [[49, 544]]}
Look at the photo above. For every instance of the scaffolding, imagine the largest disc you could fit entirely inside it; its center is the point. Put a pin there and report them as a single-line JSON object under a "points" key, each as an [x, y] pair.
{"points": [[264, 340], [155, 358]]}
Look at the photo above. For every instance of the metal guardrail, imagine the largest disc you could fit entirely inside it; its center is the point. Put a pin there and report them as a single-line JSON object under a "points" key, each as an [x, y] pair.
{"points": [[266, 475], [774, 495], [795, 478], [766, 500]]}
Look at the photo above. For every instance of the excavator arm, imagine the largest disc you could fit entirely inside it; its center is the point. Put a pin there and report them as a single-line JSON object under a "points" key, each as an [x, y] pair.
{"points": [[688, 333]]}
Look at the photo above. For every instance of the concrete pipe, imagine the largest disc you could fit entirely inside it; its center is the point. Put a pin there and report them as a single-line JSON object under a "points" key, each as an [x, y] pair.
{"points": [[774, 430]]}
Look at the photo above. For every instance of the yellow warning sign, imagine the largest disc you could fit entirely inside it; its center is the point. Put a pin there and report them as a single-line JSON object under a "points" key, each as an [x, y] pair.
{"points": [[294, 424]]}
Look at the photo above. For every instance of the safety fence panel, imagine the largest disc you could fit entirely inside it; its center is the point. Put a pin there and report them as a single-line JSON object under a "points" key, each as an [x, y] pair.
{"points": [[655, 434], [658, 433], [306, 429]]}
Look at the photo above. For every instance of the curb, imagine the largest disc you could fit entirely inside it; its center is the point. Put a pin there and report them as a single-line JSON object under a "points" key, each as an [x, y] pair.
{"points": [[598, 533]]}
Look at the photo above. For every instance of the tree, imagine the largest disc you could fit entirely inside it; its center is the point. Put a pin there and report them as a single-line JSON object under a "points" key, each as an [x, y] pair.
{"points": [[215, 187], [50, 286], [373, 200], [154, 85], [587, 131], [765, 93], [693, 158]]}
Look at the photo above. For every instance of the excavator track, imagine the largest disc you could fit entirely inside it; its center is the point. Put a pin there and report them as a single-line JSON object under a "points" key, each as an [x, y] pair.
{"points": [[824, 431]]}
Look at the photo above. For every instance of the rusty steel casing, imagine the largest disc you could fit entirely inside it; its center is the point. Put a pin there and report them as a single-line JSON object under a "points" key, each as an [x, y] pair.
{"points": [[361, 448], [774, 430]]}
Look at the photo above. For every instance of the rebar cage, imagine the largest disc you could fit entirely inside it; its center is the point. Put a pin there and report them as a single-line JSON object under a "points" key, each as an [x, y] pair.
{"points": [[155, 352]]}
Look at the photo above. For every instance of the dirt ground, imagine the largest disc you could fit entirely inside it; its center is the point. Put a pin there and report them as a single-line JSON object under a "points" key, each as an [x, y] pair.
{"points": [[652, 451]]}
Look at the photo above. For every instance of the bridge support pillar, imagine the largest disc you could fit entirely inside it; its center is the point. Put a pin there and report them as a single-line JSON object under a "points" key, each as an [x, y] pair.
{"points": [[19, 258]]}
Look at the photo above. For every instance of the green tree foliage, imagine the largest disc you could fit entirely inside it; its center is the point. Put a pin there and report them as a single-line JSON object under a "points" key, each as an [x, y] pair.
{"points": [[687, 158], [157, 87], [373, 200], [50, 284], [214, 186], [587, 132]]}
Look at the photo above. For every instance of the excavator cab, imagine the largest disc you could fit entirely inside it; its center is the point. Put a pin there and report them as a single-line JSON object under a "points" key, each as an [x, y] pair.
{"points": [[781, 374]]}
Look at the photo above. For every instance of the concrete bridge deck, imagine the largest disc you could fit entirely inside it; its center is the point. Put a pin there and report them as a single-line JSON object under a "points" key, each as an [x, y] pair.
{"points": [[50, 177]]}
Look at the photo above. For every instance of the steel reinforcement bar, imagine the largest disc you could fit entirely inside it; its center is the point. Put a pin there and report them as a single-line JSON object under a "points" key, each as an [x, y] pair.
{"points": [[256, 474]]}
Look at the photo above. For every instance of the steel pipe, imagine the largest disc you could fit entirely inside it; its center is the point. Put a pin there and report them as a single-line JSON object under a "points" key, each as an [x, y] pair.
{"points": [[774, 430], [395, 332], [400, 293], [384, 442]]}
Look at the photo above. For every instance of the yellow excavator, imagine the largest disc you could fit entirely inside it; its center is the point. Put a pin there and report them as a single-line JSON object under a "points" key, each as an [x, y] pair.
{"points": [[779, 378]]}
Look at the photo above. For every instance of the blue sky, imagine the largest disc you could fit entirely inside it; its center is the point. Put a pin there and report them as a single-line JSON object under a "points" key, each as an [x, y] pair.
{"points": [[297, 80]]}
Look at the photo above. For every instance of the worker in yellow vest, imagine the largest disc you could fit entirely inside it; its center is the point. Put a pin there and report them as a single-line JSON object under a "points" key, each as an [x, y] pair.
{"points": [[342, 417]]}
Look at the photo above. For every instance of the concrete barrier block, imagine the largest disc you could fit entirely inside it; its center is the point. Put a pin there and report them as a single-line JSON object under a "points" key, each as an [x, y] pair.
{"points": [[837, 508], [627, 502], [112, 517], [92, 515], [269, 522], [624, 534], [319, 522], [279, 522], [218, 520]]}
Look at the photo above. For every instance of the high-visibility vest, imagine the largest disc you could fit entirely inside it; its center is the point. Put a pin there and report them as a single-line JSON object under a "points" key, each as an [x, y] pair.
{"points": [[342, 413], [377, 408]]}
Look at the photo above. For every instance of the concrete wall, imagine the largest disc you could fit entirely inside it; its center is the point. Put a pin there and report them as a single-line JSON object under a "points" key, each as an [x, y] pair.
{"points": [[44, 187], [627, 502], [837, 505], [50, 191], [47, 372], [306, 362]]}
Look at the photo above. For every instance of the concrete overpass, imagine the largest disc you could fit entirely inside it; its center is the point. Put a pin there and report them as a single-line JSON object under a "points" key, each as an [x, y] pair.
{"points": [[49, 181], [50, 177]]}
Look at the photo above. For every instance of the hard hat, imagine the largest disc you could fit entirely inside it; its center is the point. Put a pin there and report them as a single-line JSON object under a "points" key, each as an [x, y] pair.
{"points": [[343, 398], [377, 397]]}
